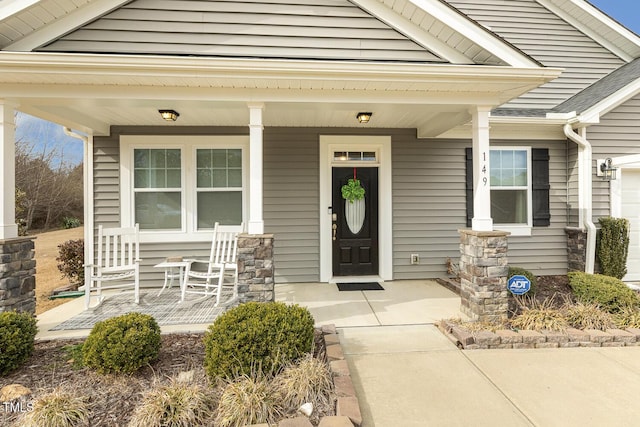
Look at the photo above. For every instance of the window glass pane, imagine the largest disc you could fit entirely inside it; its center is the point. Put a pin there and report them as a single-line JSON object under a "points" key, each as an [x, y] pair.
{"points": [[204, 178], [219, 178], [234, 158], [141, 158], [509, 206], [173, 159], [157, 178], [355, 155], [141, 178], [224, 207], [369, 155], [203, 158], [235, 178], [158, 159], [520, 159], [158, 210], [173, 178], [508, 168], [340, 155], [219, 159]]}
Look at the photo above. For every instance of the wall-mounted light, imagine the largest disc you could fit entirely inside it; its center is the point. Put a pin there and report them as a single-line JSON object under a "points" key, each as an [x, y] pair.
{"points": [[364, 117], [169, 115], [606, 170]]}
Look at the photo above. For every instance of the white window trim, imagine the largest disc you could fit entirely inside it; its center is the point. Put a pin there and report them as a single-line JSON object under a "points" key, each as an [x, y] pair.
{"points": [[518, 229], [188, 144]]}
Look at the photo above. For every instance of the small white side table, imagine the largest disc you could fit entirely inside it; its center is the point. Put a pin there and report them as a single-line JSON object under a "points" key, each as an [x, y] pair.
{"points": [[173, 270]]}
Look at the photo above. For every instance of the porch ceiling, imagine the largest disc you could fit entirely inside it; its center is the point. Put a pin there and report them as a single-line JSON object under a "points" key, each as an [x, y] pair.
{"points": [[91, 94]]}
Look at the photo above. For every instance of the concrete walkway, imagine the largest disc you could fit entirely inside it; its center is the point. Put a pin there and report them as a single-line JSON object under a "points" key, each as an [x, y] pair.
{"points": [[408, 374]]}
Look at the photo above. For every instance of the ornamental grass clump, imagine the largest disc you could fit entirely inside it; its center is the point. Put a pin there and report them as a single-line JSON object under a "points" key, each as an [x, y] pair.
{"points": [[540, 316], [308, 380], [177, 404], [588, 316], [122, 344], [248, 400], [17, 336], [58, 408], [611, 294], [628, 317], [257, 337]]}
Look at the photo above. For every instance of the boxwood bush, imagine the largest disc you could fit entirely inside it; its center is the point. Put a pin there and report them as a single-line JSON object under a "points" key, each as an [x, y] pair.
{"points": [[257, 338], [518, 271], [17, 335], [122, 344], [610, 293]]}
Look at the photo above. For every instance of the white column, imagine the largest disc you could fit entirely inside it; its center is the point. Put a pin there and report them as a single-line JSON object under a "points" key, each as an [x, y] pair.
{"points": [[8, 227], [482, 220], [256, 222]]}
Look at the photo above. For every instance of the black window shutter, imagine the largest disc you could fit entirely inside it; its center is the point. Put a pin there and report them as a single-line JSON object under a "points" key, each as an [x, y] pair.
{"points": [[469, 184], [540, 187]]}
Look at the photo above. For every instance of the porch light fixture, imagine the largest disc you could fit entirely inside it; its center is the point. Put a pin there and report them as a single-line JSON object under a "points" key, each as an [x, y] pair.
{"points": [[364, 117], [169, 115], [607, 171]]}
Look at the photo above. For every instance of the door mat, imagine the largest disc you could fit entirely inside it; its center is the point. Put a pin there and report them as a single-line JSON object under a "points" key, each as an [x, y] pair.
{"points": [[365, 286]]}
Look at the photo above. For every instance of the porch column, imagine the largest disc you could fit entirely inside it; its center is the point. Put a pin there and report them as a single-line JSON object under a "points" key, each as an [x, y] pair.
{"points": [[256, 222], [482, 220], [8, 227]]}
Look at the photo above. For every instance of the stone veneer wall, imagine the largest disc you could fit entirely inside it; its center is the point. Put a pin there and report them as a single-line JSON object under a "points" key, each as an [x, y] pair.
{"points": [[17, 275], [255, 268], [576, 248], [484, 268]]}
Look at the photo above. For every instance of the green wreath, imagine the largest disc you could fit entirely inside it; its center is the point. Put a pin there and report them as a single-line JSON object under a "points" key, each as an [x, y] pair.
{"points": [[352, 190]]}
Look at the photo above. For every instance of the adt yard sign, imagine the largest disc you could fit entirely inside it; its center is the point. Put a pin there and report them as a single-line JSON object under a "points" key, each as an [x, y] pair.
{"points": [[519, 285]]}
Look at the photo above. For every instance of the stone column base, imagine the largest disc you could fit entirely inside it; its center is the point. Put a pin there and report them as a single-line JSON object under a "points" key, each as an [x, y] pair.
{"points": [[255, 268], [576, 248], [17, 275], [484, 268]]}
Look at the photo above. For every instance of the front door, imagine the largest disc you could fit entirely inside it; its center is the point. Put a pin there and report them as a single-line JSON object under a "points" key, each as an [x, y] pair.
{"points": [[355, 225]]}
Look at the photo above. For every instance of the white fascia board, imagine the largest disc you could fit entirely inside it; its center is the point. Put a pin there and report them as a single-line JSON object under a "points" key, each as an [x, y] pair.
{"points": [[478, 34], [562, 8], [141, 66], [65, 24], [413, 31], [593, 114]]}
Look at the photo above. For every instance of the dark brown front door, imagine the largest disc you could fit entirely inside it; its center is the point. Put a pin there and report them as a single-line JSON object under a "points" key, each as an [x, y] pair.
{"points": [[355, 246]]}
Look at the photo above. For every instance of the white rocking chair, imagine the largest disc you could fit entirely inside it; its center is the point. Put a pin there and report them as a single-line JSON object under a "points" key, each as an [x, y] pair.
{"points": [[207, 277], [118, 263]]}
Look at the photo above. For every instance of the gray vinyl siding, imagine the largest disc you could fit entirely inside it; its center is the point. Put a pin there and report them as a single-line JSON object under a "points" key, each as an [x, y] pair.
{"points": [[310, 29], [617, 134], [429, 207], [573, 212], [291, 202], [549, 39]]}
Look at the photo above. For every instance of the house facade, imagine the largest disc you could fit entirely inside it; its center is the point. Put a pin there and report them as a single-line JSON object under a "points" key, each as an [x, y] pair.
{"points": [[480, 115]]}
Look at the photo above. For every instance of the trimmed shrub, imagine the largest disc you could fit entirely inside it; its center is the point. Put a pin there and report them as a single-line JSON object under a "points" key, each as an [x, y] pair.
{"points": [[122, 344], [613, 246], [258, 337], [518, 271], [611, 294], [71, 261], [17, 335]]}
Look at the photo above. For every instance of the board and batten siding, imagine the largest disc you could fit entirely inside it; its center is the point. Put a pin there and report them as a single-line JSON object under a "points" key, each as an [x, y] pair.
{"points": [[429, 207], [549, 39], [617, 134], [309, 29]]}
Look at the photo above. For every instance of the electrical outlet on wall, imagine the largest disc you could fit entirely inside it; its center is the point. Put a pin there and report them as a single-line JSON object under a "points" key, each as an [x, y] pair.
{"points": [[415, 259]]}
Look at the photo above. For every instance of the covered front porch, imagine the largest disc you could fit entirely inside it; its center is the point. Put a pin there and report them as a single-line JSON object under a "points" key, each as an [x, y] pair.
{"points": [[402, 302]]}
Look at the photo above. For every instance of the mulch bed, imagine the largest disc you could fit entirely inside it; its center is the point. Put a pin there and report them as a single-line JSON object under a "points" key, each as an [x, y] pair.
{"points": [[112, 398]]}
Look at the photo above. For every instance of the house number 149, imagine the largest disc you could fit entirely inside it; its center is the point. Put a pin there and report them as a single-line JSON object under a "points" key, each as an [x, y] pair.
{"points": [[484, 168]]}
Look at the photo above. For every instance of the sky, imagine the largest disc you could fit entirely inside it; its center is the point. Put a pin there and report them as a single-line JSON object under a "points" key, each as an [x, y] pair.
{"points": [[626, 12]]}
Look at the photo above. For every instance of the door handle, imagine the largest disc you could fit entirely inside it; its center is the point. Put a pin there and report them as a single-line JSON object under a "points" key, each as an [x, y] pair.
{"points": [[334, 226]]}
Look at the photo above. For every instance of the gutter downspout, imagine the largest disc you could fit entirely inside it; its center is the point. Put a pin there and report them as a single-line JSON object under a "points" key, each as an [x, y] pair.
{"points": [[88, 185], [585, 203]]}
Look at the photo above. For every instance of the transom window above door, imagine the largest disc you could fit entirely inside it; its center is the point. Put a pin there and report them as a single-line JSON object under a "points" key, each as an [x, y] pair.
{"points": [[355, 156]]}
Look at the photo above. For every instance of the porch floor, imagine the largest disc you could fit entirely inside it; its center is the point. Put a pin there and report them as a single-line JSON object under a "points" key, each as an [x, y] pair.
{"points": [[403, 302]]}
